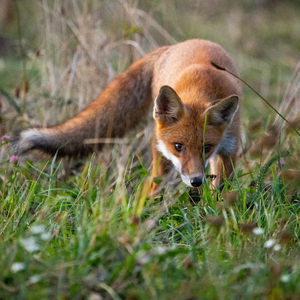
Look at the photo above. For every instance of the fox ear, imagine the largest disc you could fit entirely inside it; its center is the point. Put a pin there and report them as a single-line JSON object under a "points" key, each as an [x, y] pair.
{"points": [[168, 107], [222, 112]]}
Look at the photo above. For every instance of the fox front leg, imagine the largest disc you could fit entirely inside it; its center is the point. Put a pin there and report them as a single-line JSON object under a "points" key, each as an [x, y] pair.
{"points": [[222, 166]]}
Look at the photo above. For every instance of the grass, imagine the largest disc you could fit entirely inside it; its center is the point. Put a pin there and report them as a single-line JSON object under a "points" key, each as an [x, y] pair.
{"points": [[87, 229]]}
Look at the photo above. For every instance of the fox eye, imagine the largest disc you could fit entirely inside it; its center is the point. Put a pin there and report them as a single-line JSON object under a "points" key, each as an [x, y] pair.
{"points": [[207, 148], [178, 147]]}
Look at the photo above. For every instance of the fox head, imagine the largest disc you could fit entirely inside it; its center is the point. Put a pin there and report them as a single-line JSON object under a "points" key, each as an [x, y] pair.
{"points": [[180, 132]]}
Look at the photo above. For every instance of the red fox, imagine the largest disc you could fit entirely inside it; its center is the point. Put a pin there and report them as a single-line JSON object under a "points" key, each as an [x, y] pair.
{"points": [[191, 96]]}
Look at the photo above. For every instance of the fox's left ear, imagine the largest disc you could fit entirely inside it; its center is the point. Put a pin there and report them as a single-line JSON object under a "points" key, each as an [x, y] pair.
{"points": [[222, 112]]}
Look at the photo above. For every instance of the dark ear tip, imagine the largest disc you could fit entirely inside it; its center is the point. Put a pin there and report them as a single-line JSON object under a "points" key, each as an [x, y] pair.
{"points": [[166, 89], [235, 99]]}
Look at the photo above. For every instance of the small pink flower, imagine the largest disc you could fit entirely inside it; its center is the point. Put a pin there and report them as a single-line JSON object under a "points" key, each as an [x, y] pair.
{"points": [[5, 138], [13, 158], [282, 162]]}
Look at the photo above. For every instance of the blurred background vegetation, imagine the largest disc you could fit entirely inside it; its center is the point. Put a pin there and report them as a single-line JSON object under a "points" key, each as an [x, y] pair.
{"points": [[57, 56]]}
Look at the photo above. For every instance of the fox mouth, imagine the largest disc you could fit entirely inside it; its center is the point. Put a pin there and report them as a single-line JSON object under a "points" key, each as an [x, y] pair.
{"points": [[196, 192], [195, 196]]}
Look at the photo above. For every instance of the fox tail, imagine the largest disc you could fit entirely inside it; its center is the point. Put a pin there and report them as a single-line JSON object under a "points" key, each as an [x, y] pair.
{"points": [[116, 111]]}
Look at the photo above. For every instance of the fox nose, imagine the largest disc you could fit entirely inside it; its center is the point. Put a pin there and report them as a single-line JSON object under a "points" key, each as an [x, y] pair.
{"points": [[196, 181]]}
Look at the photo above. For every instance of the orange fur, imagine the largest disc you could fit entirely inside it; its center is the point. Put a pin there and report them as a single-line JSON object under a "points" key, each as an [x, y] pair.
{"points": [[188, 89]]}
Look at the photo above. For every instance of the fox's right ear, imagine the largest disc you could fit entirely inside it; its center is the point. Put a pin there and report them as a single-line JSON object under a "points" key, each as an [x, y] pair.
{"points": [[168, 107]]}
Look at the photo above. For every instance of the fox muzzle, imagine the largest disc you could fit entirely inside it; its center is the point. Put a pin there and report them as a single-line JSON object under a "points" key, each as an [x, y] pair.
{"points": [[196, 181]]}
